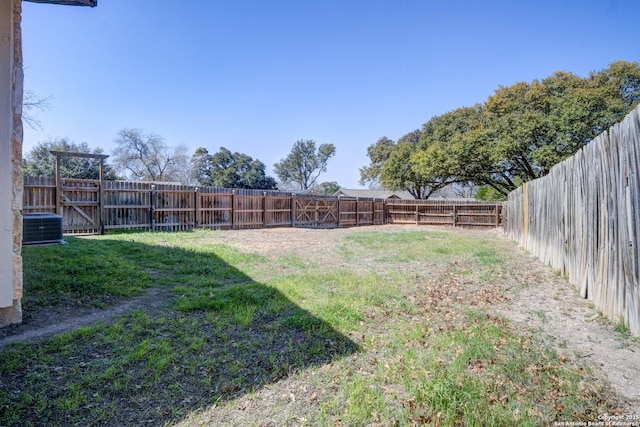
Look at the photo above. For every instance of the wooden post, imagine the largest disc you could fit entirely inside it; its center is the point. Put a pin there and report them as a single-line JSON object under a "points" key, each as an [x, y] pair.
{"points": [[385, 212], [293, 209], [264, 209], [198, 208], [58, 188], [233, 209], [339, 211], [357, 211], [100, 197], [417, 213], [316, 215], [455, 215], [152, 210], [525, 215]]}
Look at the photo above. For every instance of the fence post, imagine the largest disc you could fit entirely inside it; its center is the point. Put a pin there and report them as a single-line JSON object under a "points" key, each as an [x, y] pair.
{"points": [[357, 211], [233, 209], [525, 215], [339, 211], [417, 214], [293, 209], [152, 210], [197, 205], [101, 206], [264, 209], [386, 216], [385, 212], [455, 215]]}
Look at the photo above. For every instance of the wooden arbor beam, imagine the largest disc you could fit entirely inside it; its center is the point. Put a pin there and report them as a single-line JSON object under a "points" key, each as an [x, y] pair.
{"points": [[92, 3], [83, 155]]}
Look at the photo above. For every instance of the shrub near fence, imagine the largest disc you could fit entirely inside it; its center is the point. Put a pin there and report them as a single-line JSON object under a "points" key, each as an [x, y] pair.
{"points": [[583, 218]]}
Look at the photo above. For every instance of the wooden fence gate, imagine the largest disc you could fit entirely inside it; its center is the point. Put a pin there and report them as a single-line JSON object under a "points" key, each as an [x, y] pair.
{"points": [[79, 201], [316, 212], [79, 204]]}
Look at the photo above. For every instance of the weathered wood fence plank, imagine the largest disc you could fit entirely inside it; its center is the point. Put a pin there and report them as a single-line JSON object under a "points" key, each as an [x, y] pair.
{"points": [[583, 219]]}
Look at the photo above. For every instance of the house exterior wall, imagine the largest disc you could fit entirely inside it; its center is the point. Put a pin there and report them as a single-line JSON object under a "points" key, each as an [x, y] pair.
{"points": [[11, 79]]}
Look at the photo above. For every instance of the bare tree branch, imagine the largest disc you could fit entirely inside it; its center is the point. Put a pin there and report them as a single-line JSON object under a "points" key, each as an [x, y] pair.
{"points": [[30, 103]]}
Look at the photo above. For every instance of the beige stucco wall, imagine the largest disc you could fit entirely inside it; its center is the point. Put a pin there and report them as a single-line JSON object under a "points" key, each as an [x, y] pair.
{"points": [[11, 80]]}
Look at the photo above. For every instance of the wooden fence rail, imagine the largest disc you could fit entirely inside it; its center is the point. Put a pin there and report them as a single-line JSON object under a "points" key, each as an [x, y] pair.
{"points": [[583, 219], [86, 208]]}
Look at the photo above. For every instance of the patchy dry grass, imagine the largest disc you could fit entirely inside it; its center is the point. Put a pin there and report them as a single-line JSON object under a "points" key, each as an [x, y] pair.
{"points": [[394, 328]]}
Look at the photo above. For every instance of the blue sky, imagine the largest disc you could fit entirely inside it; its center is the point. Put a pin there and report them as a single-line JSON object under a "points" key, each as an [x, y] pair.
{"points": [[256, 76]]}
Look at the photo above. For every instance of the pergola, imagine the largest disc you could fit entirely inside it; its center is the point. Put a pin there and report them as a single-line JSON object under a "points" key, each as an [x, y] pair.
{"points": [[11, 93]]}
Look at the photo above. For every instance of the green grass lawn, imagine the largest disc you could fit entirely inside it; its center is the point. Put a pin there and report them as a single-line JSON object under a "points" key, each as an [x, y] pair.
{"points": [[400, 330]]}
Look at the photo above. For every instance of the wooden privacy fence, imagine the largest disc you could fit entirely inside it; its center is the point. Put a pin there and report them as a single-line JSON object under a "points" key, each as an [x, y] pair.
{"points": [[583, 218], [87, 207], [429, 212]]}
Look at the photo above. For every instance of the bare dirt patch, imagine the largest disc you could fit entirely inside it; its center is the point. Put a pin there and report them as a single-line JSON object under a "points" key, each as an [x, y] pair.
{"points": [[551, 308]]}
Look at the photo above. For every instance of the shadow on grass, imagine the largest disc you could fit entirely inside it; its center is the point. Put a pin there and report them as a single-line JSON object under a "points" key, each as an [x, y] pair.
{"points": [[225, 335]]}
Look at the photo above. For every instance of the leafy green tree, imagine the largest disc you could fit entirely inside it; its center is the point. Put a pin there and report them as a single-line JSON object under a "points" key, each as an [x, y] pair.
{"points": [[304, 164], [397, 173], [410, 170], [201, 165], [378, 154], [489, 194], [225, 169], [532, 127], [412, 137], [40, 162], [146, 157], [329, 188], [402, 166], [621, 81], [517, 135], [447, 155]]}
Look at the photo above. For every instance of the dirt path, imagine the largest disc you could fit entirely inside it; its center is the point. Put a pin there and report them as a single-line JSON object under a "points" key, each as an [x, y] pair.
{"points": [[549, 307], [565, 321], [47, 323]]}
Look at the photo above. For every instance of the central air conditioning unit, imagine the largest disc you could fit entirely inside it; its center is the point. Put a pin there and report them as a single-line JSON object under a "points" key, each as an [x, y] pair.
{"points": [[41, 228]]}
